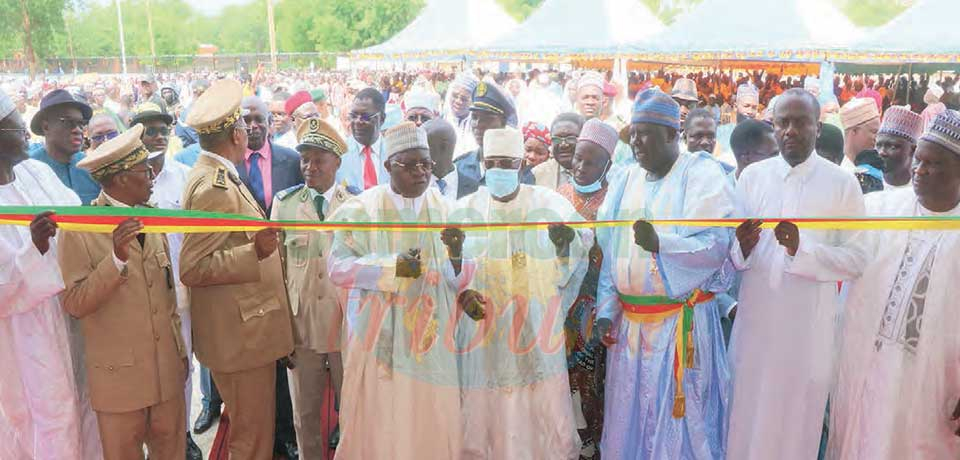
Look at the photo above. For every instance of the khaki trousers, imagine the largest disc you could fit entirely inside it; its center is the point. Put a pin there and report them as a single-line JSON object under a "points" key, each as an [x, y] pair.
{"points": [[160, 427], [308, 387], [250, 397]]}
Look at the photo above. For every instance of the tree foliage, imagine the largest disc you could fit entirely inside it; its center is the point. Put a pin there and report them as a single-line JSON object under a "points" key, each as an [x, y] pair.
{"points": [[872, 13], [519, 9], [301, 25]]}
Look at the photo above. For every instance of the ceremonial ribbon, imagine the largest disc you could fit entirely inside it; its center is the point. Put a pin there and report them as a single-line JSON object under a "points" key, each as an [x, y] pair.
{"points": [[654, 309], [104, 219]]}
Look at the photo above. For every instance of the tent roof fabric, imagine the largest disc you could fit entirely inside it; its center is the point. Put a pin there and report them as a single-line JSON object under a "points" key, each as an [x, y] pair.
{"points": [[927, 27], [575, 26], [733, 26], [447, 27]]}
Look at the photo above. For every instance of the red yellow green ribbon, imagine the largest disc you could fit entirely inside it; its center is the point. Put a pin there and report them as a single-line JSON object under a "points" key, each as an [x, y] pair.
{"points": [[654, 309], [104, 219]]}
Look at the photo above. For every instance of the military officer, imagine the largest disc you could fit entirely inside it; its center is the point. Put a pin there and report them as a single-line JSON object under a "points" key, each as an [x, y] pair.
{"points": [[241, 316], [317, 315], [120, 286]]}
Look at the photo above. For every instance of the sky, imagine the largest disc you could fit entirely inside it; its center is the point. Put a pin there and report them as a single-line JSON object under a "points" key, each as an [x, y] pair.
{"points": [[207, 7]]}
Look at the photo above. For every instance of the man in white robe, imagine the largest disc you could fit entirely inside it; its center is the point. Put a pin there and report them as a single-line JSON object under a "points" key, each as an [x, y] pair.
{"points": [[516, 391], [899, 375], [400, 398], [782, 349], [43, 414]]}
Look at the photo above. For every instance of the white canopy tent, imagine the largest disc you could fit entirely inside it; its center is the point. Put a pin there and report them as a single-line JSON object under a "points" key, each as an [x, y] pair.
{"points": [[575, 27], [784, 30], [445, 29]]}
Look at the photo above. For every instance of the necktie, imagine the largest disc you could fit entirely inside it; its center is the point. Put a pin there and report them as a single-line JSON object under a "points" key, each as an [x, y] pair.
{"points": [[442, 185], [369, 171], [318, 203], [255, 178]]}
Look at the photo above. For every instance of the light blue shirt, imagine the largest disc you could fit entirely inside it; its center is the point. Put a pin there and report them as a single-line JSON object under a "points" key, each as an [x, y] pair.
{"points": [[351, 164]]}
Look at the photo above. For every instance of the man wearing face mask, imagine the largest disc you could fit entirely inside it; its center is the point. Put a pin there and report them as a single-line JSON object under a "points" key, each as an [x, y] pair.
{"points": [[520, 375], [401, 398], [558, 170], [491, 108], [656, 288], [585, 358], [747, 101]]}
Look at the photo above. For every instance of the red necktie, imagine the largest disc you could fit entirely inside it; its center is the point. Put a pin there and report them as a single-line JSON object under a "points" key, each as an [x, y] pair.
{"points": [[369, 171]]}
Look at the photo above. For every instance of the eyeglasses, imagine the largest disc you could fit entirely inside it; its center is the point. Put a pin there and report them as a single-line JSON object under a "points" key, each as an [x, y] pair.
{"points": [[105, 136], [502, 163], [153, 131], [364, 117], [564, 139], [72, 123], [412, 167], [17, 130], [148, 171]]}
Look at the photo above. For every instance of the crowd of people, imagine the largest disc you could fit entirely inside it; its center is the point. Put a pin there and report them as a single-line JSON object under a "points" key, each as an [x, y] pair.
{"points": [[538, 335]]}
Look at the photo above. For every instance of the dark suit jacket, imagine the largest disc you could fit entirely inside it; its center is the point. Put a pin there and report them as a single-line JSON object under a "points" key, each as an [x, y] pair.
{"points": [[468, 174], [285, 172]]}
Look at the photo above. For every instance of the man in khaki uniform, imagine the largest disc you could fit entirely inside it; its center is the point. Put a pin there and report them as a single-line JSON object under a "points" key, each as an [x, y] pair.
{"points": [[317, 315], [241, 317], [121, 288]]}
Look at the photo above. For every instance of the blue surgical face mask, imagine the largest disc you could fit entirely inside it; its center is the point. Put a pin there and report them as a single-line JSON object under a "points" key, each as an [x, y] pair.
{"points": [[596, 185], [502, 182]]}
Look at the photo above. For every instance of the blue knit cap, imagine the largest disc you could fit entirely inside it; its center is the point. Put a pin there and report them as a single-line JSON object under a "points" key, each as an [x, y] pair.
{"points": [[656, 107]]}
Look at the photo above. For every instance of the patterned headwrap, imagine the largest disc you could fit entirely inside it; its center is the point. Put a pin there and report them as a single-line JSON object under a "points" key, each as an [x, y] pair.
{"points": [[655, 106], [465, 80], [538, 131], [901, 121], [945, 131]]}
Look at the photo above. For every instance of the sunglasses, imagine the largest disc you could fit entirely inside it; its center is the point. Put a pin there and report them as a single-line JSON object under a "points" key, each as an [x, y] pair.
{"points": [[365, 117], [72, 123], [105, 136], [502, 163], [412, 167], [564, 139], [153, 131]]}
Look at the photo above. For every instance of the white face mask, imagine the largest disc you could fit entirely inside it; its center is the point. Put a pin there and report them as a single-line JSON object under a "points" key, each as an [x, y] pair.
{"points": [[502, 182]]}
